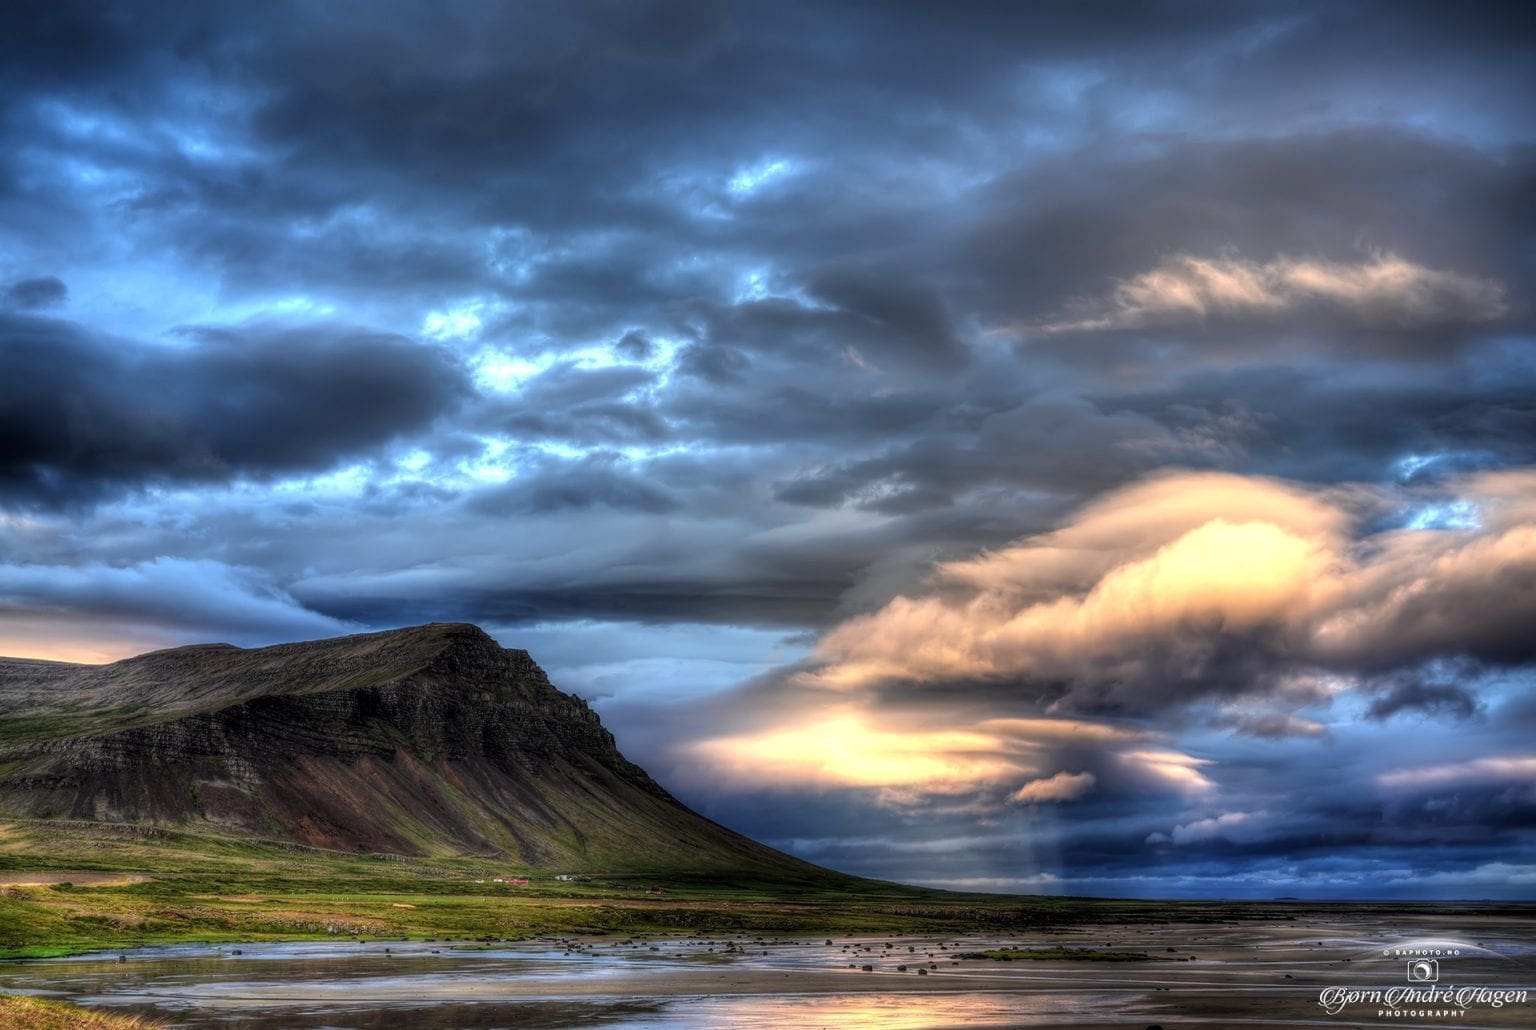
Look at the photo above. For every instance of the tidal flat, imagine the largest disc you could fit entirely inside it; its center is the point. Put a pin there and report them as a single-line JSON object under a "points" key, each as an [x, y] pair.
{"points": [[1240, 973]]}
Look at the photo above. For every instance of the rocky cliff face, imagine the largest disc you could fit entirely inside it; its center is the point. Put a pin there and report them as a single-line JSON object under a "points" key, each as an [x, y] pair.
{"points": [[430, 741]]}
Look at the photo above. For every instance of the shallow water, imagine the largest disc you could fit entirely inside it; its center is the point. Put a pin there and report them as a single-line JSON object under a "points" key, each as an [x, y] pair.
{"points": [[1220, 976], [542, 985]]}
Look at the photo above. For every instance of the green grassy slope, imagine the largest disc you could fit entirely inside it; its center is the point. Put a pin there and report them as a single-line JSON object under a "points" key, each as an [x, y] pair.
{"points": [[69, 887]]}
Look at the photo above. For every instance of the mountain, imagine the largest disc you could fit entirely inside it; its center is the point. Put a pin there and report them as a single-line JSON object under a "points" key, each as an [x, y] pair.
{"points": [[429, 741]]}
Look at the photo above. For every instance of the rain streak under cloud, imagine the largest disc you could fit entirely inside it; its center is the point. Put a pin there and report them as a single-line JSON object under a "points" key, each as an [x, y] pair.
{"points": [[1080, 448]]}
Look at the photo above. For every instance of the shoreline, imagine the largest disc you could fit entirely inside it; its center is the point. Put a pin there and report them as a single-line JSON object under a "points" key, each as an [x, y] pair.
{"points": [[406, 918], [1244, 975]]}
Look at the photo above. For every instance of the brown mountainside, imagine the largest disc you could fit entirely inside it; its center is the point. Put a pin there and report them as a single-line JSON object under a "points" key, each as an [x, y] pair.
{"points": [[432, 740]]}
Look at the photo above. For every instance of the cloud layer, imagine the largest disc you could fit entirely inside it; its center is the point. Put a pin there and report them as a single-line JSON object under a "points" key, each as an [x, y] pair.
{"points": [[1208, 584], [1125, 408], [83, 414], [1384, 292]]}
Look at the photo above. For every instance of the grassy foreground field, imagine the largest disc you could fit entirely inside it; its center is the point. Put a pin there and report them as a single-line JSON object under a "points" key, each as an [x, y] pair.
{"points": [[70, 888], [21, 1013]]}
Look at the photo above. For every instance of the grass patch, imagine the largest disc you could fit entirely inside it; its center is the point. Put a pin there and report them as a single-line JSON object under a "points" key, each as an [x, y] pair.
{"points": [[201, 888], [19, 1012]]}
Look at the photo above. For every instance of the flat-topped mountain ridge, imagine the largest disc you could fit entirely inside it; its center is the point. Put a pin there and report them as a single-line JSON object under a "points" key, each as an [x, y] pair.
{"points": [[432, 740], [42, 699]]}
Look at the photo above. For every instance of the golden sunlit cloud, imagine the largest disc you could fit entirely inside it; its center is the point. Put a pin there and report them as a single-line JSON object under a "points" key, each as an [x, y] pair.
{"points": [[1491, 769], [1168, 567], [1384, 291], [1063, 786], [1174, 768], [1235, 576], [844, 750], [840, 747]]}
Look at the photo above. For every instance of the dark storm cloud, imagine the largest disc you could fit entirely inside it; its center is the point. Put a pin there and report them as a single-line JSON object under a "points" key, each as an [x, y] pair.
{"points": [[1418, 694], [84, 413], [200, 596], [61, 44], [585, 547], [905, 320], [597, 479], [604, 423], [604, 406], [765, 602], [561, 124], [1053, 442], [1068, 228], [43, 292], [1322, 422], [1272, 725]]}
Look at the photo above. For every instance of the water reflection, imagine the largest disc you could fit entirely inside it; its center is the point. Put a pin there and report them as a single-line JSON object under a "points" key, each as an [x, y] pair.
{"points": [[884, 1012], [679, 984], [1224, 974]]}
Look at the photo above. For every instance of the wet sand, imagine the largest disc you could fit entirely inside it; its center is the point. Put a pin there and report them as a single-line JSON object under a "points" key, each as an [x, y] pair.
{"points": [[1238, 974]]}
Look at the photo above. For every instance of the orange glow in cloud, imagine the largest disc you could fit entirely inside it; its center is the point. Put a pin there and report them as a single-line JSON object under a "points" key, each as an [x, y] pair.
{"points": [[1174, 768], [1221, 575], [1385, 290], [844, 750], [1517, 768], [1063, 786], [1183, 559]]}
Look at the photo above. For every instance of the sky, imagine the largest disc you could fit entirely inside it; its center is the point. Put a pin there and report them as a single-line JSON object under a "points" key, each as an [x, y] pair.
{"points": [[1073, 448]]}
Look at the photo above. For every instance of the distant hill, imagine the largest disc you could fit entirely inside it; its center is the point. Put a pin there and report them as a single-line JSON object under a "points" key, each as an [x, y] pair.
{"points": [[429, 741]]}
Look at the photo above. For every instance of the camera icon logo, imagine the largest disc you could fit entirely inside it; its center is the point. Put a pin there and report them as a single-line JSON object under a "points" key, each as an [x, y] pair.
{"points": [[1424, 971]]}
